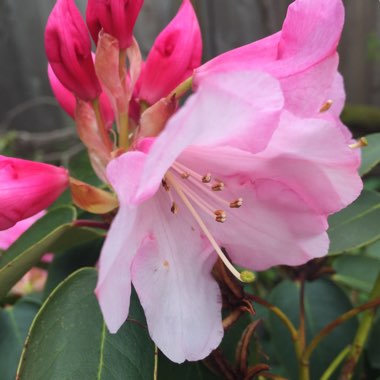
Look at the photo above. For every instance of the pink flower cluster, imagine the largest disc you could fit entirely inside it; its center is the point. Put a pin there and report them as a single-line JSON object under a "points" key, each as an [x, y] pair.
{"points": [[254, 161]]}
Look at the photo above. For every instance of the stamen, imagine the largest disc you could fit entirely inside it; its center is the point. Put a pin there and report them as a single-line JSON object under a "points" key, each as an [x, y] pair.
{"points": [[220, 216], [165, 185], [326, 106], [242, 277], [218, 186], [185, 175], [174, 208], [237, 203], [206, 178], [361, 143]]}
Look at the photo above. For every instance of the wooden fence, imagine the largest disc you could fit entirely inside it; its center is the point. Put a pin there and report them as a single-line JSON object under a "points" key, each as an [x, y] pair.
{"points": [[25, 97]]}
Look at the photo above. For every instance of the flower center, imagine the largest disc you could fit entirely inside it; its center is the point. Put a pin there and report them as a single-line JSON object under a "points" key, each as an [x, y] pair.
{"points": [[201, 191]]}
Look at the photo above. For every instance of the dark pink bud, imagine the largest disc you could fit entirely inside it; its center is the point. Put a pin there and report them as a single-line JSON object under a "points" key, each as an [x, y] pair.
{"points": [[67, 100], [176, 52], [115, 17], [27, 187], [68, 48]]}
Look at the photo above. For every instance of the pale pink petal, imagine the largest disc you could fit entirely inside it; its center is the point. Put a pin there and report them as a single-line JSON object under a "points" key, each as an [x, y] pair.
{"points": [[305, 93], [176, 52], [172, 276], [237, 108], [9, 236], [113, 289], [275, 226], [310, 33]]}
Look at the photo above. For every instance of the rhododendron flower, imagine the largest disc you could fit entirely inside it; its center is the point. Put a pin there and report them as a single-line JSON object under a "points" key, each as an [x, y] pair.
{"points": [[115, 17], [68, 48], [215, 177], [176, 52], [26, 188]]}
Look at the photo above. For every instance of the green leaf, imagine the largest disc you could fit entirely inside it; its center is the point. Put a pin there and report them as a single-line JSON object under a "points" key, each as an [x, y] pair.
{"points": [[69, 261], [80, 168], [185, 371], [357, 225], [14, 325], [324, 302], [370, 154], [28, 249], [69, 340], [356, 271]]}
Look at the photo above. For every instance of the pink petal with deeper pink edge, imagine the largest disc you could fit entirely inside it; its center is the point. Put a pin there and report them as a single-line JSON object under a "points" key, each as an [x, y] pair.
{"points": [[26, 188], [176, 52], [310, 34], [173, 280], [240, 108]]}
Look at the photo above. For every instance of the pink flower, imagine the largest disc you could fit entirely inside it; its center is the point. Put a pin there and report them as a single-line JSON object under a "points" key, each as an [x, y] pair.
{"points": [[68, 102], [302, 55], [218, 178], [68, 48], [115, 17], [176, 52], [27, 187]]}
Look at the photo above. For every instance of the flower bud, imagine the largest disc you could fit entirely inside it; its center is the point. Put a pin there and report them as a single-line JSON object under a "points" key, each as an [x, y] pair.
{"points": [[27, 187], [176, 52], [68, 48], [115, 17], [67, 100]]}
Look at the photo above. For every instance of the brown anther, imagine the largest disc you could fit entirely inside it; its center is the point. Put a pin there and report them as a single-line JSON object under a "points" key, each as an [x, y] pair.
{"points": [[220, 216], [174, 208], [185, 175], [361, 143], [218, 186], [206, 178], [326, 106], [165, 185], [237, 203]]}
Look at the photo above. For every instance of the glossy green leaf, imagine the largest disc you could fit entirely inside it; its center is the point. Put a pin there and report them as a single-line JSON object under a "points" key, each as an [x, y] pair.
{"points": [[356, 271], [370, 154], [324, 302], [185, 371], [28, 249], [357, 225], [69, 340], [69, 261], [14, 325]]}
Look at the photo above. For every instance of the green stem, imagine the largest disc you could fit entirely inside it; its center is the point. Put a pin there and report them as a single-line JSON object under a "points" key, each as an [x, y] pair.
{"points": [[361, 335], [335, 363], [300, 344], [182, 88], [337, 322], [101, 126]]}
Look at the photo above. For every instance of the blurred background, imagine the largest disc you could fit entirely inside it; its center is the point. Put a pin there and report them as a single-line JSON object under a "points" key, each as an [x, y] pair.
{"points": [[44, 132]]}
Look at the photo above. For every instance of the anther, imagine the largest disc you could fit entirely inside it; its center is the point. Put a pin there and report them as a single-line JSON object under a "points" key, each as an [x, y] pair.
{"points": [[237, 203], [218, 186], [220, 216], [165, 185], [361, 143], [174, 208], [185, 175], [206, 178], [326, 106]]}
